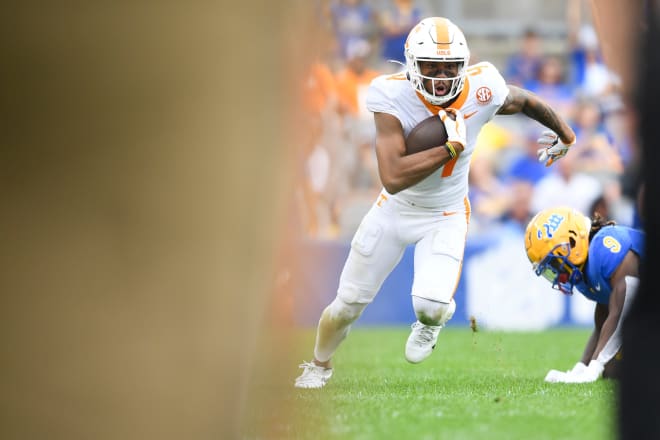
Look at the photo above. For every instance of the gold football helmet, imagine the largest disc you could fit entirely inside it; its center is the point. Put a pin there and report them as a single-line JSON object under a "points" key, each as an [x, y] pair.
{"points": [[557, 243]]}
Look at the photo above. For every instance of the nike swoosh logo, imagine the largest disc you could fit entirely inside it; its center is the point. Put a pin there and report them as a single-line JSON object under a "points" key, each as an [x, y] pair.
{"points": [[469, 115], [597, 287], [448, 213]]}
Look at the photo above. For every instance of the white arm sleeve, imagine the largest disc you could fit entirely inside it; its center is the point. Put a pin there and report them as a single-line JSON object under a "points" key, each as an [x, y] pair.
{"points": [[614, 343]]}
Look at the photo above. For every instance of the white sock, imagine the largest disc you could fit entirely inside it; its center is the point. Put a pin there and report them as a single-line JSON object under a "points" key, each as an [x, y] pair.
{"points": [[333, 327]]}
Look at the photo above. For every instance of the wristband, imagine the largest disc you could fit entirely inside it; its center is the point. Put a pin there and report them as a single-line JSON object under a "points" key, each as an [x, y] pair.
{"points": [[450, 149]]}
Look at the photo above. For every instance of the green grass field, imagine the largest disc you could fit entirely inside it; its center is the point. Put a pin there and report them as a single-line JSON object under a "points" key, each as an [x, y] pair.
{"points": [[483, 385]]}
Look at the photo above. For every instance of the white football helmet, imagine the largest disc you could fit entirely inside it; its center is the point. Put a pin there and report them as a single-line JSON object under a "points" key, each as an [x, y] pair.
{"points": [[436, 39]]}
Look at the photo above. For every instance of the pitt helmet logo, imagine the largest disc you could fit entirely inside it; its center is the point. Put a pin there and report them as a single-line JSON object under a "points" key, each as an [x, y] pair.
{"points": [[550, 226], [484, 95]]}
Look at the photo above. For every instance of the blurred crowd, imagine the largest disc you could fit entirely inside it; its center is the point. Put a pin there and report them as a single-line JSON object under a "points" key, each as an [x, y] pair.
{"points": [[359, 41]]}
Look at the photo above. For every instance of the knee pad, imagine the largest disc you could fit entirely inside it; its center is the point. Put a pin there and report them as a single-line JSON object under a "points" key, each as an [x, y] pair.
{"points": [[341, 311], [352, 292], [433, 312]]}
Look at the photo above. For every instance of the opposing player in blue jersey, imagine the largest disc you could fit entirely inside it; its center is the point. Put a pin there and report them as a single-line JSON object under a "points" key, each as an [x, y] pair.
{"points": [[599, 259]]}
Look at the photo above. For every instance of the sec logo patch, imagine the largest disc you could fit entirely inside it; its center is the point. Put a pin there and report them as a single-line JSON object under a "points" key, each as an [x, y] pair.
{"points": [[484, 95]]}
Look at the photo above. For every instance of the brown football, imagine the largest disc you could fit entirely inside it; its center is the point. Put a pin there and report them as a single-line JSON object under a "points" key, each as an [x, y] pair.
{"points": [[427, 134]]}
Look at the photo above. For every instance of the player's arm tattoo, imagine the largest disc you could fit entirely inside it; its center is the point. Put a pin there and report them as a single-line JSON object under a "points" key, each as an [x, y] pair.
{"points": [[523, 101]]}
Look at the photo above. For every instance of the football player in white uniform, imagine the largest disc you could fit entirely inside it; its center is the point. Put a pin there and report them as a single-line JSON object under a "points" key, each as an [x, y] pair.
{"points": [[424, 200]]}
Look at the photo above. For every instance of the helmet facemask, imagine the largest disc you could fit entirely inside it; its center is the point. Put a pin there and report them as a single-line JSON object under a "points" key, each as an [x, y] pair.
{"points": [[558, 269], [417, 79]]}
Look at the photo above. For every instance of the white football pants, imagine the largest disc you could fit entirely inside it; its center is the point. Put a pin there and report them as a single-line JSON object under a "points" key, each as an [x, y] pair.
{"points": [[385, 232]]}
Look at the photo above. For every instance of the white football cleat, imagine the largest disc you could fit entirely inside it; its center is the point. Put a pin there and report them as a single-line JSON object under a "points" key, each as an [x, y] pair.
{"points": [[421, 342], [313, 376]]}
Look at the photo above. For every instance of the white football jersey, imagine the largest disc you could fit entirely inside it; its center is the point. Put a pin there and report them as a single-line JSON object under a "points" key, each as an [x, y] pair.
{"points": [[483, 93]]}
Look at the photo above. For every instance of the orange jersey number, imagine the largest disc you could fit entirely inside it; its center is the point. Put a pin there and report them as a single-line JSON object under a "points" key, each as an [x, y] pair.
{"points": [[476, 70], [449, 166]]}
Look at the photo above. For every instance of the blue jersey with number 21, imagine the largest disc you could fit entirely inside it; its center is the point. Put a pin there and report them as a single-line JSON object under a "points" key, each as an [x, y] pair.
{"points": [[606, 252]]}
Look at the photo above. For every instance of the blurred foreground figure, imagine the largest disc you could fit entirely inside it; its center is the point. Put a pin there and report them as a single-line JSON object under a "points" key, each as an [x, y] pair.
{"points": [[140, 214], [639, 400]]}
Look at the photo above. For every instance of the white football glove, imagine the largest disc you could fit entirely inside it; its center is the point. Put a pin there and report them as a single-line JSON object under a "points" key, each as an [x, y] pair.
{"points": [[555, 376], [589, 374], [578, 368], [455, 127], [552, 148]]}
